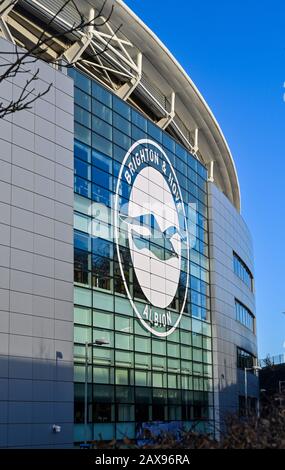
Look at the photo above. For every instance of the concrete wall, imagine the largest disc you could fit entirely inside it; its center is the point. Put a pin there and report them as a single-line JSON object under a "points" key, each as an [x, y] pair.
{"points": [[36, 264], [227, 233]]}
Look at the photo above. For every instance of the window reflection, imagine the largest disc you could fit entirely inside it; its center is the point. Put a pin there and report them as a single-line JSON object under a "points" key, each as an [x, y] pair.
{"points": [[136, 377]]}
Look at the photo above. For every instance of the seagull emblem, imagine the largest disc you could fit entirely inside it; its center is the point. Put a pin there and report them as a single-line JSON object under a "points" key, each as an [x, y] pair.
{"points": [[146, 233]]}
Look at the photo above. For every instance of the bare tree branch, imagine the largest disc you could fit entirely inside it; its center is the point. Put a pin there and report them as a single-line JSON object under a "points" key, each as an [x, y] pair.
{"points": [[19, 60], [26, 98]]}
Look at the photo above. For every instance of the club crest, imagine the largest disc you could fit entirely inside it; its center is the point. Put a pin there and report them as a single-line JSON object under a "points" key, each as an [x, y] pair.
{"points": [[150, 224]]}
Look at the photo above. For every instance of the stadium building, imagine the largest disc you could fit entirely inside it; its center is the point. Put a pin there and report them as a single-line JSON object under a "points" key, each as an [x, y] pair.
{"points": [[127, 288]]}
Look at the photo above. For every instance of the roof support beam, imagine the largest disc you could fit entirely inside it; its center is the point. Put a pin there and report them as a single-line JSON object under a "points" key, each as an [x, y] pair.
{"points": [[127, 89], [211, 171], [5, 8], [164, 122], [196, 137], [75, 51]]}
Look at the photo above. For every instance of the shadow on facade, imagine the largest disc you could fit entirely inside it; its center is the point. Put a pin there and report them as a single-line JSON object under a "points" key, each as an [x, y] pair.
{"points": [[34, 395], [232, 399]]}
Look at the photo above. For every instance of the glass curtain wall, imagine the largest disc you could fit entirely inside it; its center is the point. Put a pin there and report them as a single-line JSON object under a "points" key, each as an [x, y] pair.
{"points": [[137, 377]]}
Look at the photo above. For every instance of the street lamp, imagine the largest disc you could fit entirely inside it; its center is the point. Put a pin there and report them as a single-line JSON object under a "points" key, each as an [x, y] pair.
{"points": [[97, 342], [255, 368], [281, 384]]}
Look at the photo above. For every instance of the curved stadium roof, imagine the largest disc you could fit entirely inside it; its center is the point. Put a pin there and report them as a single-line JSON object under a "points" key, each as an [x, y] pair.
{"points": [[161, 76]]}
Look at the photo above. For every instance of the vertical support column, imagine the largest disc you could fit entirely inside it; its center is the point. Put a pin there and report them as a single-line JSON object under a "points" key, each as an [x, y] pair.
{"points": [[211, 171], [127, 89], [5, 8]]}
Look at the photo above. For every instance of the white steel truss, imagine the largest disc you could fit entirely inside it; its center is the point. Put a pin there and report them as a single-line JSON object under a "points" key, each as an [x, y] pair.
{"points": [[5, 8], [105, 54]]}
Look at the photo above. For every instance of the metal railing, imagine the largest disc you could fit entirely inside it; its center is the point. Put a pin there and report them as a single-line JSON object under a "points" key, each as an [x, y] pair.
{"points": [[274, 360]]}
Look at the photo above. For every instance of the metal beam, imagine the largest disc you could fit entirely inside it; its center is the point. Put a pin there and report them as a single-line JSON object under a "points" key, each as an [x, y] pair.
{"points": [[196, 136], [75, 51], [5, 8], [187, 143], [164, 122], [211, 171], [127, 89], [30, 36]]}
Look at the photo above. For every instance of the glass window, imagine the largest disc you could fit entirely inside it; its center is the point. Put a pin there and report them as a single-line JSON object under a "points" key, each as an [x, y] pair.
{"points": [[159, 347], [82, 204], [123, 377], [103, 319], [82, 133], [121, 139], [101, 178], [102, 247], [82, 315], [102, 412], [121, 108], [102, 161], [185, 337], [83, 100], [173, 349], [122, 124], [79, 373], [158, 380], [82, 116], [101, 144], [82, 187], [82, 169], [173, 381], [101, 127], [82, 151], [82, 222], [119, 153], [139, 121], [186, 352], [142, 344], [103, 394], [101, 94], [124, 358], [143, 361], [245, 359], [124, 324], [103, 355], [103, 375], [80, 80], [154, 131], [244, 316], [102, 111], [101, 195], [82, 334], [125, 413], [141, 378], [197, 355], [197, 340], [140, 330], [124, 341], [82, 297], [168, 142], [242, 271], [137, 133], [82, 241], [173, 364], [159, 362]]}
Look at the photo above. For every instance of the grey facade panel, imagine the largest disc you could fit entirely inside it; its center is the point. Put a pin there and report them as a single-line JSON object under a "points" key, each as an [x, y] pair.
{"points": [[228, 233], [36, 207]]}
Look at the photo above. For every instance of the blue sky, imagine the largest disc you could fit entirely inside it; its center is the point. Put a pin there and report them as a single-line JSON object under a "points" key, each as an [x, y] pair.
{"points": [[234, 51]]}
